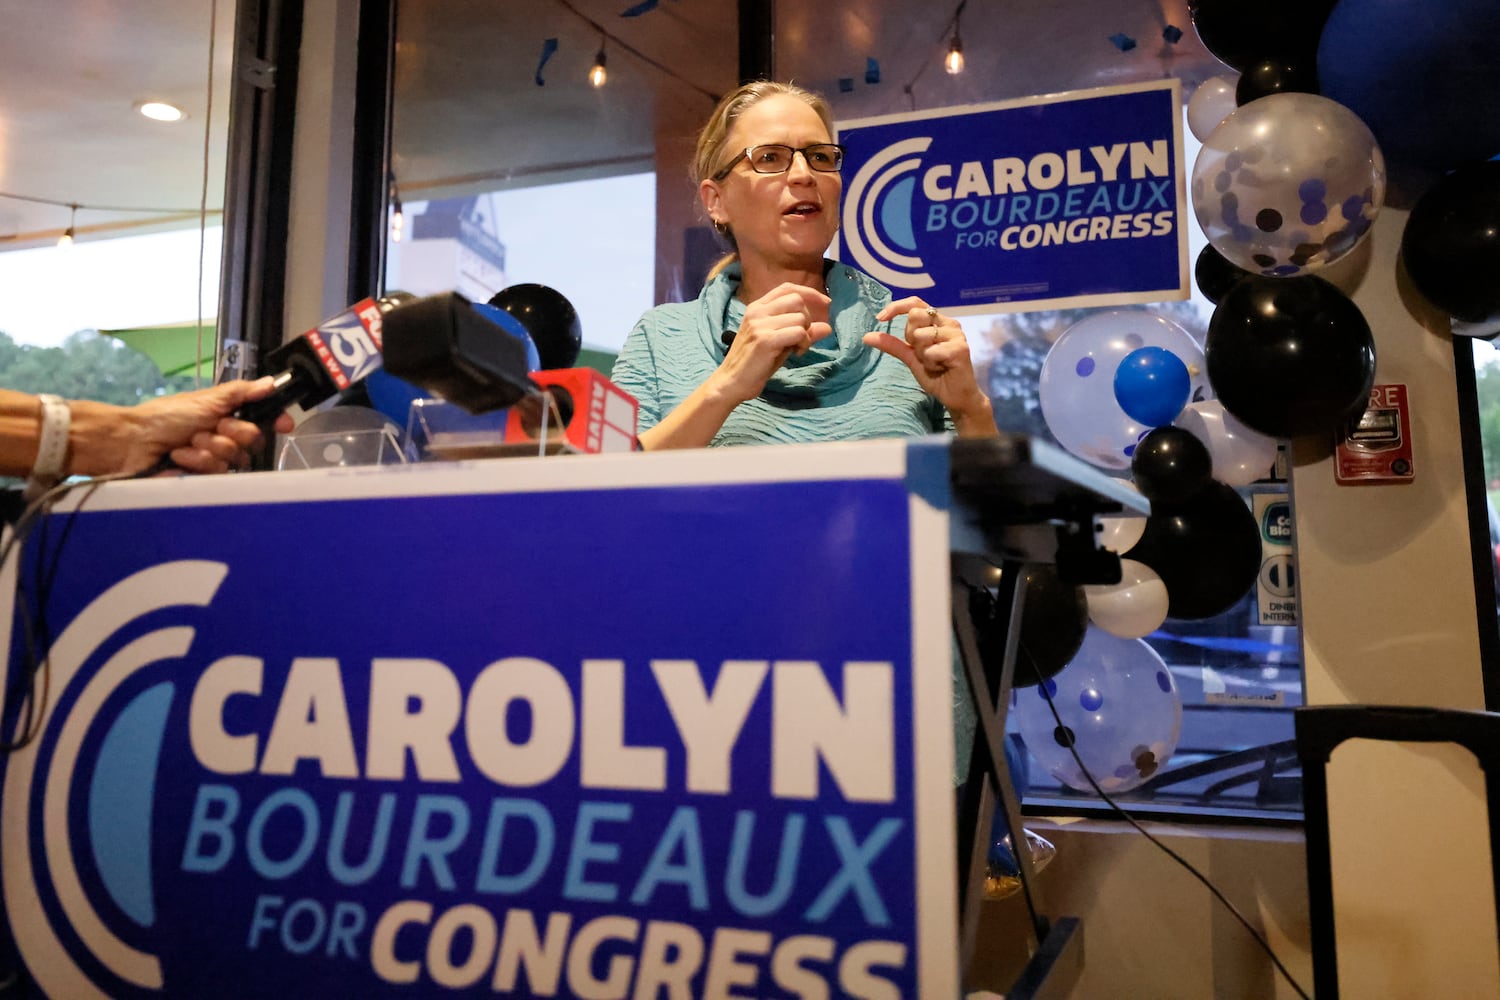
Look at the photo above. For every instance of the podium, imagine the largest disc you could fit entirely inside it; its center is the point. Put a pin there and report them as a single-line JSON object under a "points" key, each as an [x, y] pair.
{"points": [[577, 726]]}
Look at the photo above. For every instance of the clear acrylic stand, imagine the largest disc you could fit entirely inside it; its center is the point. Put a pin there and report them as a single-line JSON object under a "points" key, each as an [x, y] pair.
{"points": [[437, 430]]}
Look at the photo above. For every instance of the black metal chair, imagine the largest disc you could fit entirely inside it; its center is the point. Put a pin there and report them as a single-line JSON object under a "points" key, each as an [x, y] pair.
{"points": [[1321, 729]]}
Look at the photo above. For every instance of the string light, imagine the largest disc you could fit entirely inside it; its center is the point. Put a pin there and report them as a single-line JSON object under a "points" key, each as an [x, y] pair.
{"points": [[711, 95], [953, 62], [597, 74], [66, 239], [398, 217]]}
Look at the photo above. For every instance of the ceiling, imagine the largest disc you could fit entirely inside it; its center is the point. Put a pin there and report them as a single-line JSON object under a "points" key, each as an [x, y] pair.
{"points": [[71, 72], [468, 113]]}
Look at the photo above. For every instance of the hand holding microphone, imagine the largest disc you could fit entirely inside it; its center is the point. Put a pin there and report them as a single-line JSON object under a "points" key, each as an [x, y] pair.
{"points": [[325, 360]]}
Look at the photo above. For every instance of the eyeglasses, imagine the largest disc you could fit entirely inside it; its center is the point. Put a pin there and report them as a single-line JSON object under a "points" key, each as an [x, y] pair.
{"points": [[774, 158]]}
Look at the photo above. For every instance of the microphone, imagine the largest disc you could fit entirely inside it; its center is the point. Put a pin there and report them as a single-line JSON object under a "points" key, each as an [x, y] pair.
{"points": [[328, 359], [594, 415], [449, 347], [474, 356], [589, 412]]}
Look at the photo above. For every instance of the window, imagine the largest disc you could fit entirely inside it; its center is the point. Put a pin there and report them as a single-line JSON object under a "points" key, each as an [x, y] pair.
{"points": [[481, 244], [114, 316], [509, 150], [1239, 673], [1238, 679]]}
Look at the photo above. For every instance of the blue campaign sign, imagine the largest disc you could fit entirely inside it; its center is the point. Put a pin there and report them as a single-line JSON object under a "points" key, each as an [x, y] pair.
{"points": [[1072, 199], [653, 740]]}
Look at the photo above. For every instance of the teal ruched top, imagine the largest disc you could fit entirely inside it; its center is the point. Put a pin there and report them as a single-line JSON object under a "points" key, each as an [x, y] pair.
{"points": [[840, 390]]}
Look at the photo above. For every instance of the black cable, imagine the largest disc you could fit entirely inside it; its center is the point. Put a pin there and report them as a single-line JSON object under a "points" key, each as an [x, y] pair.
{"points": [[208, 116], [37, 663], [948, 31], [1234, 911], [105, 208], [637, 52]]}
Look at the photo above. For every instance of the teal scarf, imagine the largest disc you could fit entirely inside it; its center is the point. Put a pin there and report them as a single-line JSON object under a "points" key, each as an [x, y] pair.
{"points": [[837, 361]]}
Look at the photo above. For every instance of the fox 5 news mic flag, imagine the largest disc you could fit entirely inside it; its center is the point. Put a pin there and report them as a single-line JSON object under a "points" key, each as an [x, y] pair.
{"points": [[1068, 200], [328, 359]]}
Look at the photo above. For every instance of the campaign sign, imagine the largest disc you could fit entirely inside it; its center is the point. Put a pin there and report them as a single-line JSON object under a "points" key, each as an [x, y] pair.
{"points": [[1068, 200], [482, 730]]}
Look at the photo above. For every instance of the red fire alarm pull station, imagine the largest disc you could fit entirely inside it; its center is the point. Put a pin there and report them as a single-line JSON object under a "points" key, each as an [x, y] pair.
{"points": [[1375, 447]]}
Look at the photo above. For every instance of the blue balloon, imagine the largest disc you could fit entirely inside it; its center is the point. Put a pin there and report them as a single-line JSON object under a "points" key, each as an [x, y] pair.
{"points": [[1423, 76], [512, 326], [392, 396], [1152, 385]]}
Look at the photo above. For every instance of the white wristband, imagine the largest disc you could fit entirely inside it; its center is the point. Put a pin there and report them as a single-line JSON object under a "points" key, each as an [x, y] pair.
{"points": [[52, 446]]}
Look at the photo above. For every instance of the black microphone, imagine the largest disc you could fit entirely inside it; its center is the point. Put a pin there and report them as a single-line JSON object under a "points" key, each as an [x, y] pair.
{"points": [[466, 355], [443, 344], [328, 359]]}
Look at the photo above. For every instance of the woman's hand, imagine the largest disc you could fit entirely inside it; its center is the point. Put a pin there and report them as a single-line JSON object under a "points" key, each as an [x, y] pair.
{"points": [[938, 355], [788, 319], [197, 429]]}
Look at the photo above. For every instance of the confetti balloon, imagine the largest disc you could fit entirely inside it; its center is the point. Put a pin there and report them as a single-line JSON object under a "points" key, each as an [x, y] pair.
{"points": [[1287, 184], [1077, 382], [1119, 709]]}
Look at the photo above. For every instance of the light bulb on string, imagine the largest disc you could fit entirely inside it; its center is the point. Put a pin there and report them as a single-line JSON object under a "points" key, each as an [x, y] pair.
{"points": [[597, 73], [953, 62], [66, 239], [398, 217]]}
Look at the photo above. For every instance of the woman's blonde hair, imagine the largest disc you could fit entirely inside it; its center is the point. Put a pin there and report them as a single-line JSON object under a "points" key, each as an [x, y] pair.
{"points": [[708, 156]]}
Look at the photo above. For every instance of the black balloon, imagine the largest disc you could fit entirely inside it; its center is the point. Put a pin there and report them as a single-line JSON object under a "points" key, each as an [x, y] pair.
{"points": [[1290, 356], [1451, 245], [1206, 551], [1278, 75], [1054, 619], [1170, 465], [550, 319], [1243, 32], [1215, 274]]}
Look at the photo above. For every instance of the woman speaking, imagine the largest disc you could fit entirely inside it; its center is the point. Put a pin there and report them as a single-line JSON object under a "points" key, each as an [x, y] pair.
{"points": [[783, 345]]}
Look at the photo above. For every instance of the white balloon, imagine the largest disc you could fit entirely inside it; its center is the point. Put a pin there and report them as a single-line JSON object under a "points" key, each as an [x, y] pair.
{"points": [[1119, 534], [1211, 103], [1133, 608], [1240, 455]]}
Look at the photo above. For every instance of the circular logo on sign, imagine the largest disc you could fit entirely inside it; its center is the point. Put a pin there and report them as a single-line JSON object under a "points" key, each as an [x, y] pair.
{"points": [[877, 213], [1278, 576]]}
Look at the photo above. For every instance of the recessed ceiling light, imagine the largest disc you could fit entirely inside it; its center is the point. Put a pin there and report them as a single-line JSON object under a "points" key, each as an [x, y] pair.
{"points": [[161, 111]]}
